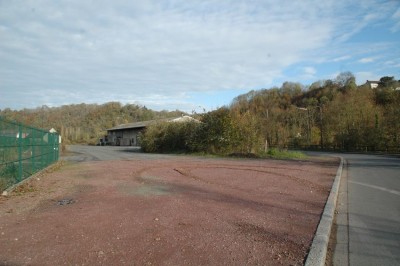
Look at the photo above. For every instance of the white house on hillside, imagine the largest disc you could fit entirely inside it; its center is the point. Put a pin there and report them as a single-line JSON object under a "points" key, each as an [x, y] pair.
{"points": [[373, 84]]}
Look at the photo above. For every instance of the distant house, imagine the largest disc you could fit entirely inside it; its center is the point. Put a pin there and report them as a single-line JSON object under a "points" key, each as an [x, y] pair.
{"points": [[52, 130], [127, 134], [373, 84]]}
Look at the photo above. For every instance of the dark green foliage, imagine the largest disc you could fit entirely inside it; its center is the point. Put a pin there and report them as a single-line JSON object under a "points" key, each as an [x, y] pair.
{"points": [[388, 82], [168, 137], [215, 134]]}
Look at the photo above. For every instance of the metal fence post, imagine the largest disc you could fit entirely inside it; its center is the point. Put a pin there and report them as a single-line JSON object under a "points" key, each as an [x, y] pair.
{"points": [[19, 152], [33, 152]]}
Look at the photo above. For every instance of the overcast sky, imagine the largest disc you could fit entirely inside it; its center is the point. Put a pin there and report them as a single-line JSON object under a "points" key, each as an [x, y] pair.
{"points": [[187, 55]]}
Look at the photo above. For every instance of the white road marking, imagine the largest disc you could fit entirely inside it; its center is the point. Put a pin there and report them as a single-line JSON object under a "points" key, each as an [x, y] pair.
{"points": [[376, 187]]}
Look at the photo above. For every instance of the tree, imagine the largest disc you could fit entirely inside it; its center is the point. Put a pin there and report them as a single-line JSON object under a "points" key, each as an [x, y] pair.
{"points": [[346, 81], [216, 133], [343, 79], [387, 82]]}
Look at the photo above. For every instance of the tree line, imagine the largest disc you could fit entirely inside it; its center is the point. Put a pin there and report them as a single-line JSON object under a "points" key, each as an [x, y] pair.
{"points": [[328, 115], [84, 123]]}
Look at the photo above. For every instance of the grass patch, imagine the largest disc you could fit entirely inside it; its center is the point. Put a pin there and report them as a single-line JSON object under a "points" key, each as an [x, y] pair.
{"points": [[283, 154], [271, 154], [8, 176], [203, 154]]}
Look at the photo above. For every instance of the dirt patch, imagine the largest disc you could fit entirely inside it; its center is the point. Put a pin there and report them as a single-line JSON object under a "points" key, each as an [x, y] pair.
{"points": [[171, 211]]}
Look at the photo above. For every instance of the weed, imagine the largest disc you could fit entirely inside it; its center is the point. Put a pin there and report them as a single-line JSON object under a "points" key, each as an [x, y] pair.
{"points": [[283, 154], [8, 176]]}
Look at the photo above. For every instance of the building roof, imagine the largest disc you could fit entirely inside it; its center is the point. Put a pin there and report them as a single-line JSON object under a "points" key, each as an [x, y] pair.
{"points": [[184, 118], [143, 124]]}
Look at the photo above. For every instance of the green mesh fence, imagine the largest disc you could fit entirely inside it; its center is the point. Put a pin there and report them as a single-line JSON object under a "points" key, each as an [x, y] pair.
{"points": [[24, 150]]}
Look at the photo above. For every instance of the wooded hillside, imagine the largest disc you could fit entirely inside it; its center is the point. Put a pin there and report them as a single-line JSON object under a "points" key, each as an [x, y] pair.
{"points": [[332, 114], [84, 123], [329, 115]]}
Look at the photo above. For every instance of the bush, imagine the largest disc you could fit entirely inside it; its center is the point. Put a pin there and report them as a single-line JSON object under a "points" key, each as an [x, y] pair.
{"points": [[219, 133], [216, 133], [168, 137]]}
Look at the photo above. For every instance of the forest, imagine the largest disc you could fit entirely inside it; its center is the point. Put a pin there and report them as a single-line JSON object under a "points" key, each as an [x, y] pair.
{"points": [[84, 123], [327, 115]]}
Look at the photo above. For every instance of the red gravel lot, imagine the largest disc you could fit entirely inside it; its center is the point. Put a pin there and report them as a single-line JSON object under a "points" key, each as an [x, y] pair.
{"points": [[172, 211]]}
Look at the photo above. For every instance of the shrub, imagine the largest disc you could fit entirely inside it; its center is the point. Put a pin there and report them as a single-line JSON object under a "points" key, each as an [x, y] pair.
{"points": [[219, 132], [168, 137], [216, 133]]}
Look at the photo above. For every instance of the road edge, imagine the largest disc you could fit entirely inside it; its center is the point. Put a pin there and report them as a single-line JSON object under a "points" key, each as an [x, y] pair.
{"points": [[319, 246]]}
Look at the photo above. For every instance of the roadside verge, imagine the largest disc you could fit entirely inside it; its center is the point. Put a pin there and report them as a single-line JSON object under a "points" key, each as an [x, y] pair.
{"points": [[319, 246]]}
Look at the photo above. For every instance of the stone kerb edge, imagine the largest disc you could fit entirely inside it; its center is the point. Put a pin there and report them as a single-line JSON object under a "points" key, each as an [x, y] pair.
{"points": [[319, 246]]}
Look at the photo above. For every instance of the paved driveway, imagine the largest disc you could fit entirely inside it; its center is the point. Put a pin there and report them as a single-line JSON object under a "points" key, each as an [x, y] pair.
{"points": [[368, 219], [83, 153]]}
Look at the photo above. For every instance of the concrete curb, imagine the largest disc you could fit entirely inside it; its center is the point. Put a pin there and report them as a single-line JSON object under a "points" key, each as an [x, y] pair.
{"points": [[319, 246]]}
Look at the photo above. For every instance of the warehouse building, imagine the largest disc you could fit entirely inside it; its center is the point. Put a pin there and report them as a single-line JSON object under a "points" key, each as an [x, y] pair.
{"points": [[128, 134]]}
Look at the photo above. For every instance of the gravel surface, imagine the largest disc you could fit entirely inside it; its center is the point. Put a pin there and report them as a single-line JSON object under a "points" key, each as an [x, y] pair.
{"points": [[140, 209]]}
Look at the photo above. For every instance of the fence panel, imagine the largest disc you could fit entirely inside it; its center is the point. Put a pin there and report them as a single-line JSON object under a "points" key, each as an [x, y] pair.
{"points": [[24, 150]]}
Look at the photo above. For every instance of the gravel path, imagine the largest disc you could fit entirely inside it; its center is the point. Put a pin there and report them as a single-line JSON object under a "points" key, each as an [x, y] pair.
{"points": [[165, 210]]}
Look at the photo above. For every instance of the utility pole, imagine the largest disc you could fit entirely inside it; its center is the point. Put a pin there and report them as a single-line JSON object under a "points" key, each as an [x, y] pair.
{"points": [[321, 127], [321, 141], [308, 124]]}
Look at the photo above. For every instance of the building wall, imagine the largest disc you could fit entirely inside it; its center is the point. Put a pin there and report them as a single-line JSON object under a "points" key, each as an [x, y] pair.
{"points": [[125, 137]]}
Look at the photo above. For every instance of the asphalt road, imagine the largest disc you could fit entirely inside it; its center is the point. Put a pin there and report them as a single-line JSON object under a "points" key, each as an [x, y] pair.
{"points": [[84, 153], [368, 212]]}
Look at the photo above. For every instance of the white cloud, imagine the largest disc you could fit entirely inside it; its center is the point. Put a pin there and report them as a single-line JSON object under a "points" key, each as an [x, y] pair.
{"points": [[366, 60], [156, 52], [396, 18], [309, 71], [394, 62], [341, 58]]}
